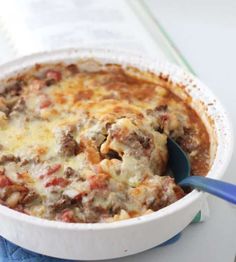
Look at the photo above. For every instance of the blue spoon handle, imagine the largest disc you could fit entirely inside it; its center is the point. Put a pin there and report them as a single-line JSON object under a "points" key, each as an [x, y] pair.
{"points": [[218, 188]]}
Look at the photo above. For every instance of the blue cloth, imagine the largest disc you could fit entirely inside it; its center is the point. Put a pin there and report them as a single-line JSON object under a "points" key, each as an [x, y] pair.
{"points": [[12, 253]]}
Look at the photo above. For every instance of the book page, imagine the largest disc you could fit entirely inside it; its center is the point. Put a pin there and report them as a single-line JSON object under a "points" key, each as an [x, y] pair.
{"points": [[38, 25]]}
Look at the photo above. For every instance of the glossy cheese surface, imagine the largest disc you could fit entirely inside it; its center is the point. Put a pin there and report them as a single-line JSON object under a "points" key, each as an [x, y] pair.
{"points": [[86, 142]]}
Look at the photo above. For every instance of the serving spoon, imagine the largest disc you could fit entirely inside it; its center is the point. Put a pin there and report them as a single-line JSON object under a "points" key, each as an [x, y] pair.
{"points": [[180, 166]]}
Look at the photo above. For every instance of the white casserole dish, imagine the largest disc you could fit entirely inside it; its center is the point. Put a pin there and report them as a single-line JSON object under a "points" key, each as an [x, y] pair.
{"points": [[117, 239]]}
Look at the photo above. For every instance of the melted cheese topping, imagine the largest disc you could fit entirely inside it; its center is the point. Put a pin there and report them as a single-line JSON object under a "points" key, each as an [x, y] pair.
{"points": [[89, 145]]}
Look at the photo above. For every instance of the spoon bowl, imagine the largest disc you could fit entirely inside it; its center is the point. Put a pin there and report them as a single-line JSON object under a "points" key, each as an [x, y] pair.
{"points": [[179, 163]]}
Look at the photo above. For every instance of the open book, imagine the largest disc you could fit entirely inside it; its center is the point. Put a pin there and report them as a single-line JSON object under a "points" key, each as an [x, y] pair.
{"points": [[29, 26]]}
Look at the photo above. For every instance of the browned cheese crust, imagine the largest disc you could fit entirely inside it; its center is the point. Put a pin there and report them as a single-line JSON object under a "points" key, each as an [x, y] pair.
{"points": [[86, 142]]}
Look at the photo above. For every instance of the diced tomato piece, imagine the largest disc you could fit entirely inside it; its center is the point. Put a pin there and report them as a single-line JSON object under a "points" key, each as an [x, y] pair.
{"points": [[4, 181], [79, 196], [98, 181], [57, 181], [53, 74], [67, 216], [164, 117], [45, 102], [179, 193], [51, 170], [97, 169]]}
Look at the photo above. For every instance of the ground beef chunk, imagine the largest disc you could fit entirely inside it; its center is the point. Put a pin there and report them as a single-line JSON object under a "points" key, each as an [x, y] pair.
{"points": [[117, 202], [160, 114], [24, 162], [157, 110], [30, 197], [14, 89], [34, 160], [137, 141], [73, 69], [91, 216], [188, 141], [18, 107], [50, 82], [61, 204], [161, 108], [112, 154], [144, 141], [9, 158], [69, 172], [68, 145], [3, 105]]}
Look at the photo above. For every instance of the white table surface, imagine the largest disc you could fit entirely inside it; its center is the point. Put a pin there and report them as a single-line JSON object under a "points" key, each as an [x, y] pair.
{"points": [[205, 33]]}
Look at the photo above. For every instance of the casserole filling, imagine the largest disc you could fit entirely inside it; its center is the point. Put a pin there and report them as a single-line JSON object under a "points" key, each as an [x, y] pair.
{"points": [[86, 142]]}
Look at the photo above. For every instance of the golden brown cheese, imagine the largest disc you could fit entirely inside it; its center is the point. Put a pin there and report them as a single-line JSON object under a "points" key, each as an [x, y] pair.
{"points": [[87, 142]]}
